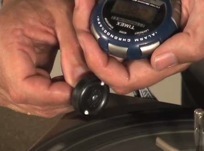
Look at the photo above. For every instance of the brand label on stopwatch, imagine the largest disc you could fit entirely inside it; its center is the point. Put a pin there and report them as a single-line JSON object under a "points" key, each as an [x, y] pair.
{"points": [[125, 25], [111, 35]]}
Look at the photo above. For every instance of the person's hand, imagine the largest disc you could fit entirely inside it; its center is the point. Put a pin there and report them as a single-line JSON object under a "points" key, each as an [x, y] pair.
{"points": [[173, 56], [30, 34]]}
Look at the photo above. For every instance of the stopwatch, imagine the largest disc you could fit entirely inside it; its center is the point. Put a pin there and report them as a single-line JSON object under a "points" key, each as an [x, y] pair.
{"points": [[133, 29]]}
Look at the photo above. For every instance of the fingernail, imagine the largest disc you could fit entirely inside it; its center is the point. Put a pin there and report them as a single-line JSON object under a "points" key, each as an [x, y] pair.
{"points": [[164, 61]]}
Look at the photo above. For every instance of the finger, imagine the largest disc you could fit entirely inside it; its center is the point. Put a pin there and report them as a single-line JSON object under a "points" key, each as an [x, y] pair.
{"points": [[40, 90], [123, 78], [100, 63], [95, 58], [181, 48], [72, 60], [28, 84]]}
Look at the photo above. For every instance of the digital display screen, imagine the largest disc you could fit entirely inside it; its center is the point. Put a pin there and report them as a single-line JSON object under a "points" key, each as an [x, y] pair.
{"points": [[134, 10]]}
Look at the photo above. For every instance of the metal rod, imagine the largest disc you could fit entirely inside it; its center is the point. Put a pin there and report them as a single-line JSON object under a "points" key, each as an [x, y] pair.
{"points": [[199, 129]]}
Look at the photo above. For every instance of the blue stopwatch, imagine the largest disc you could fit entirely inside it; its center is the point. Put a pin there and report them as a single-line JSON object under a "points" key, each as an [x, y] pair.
{"points": [[133, 29]]}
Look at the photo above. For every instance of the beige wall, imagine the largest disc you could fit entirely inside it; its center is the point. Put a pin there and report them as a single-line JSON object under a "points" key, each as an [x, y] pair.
{"points": [[168, 90]]}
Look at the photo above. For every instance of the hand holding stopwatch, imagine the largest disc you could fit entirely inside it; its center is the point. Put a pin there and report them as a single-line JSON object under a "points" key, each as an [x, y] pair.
{"points": [[129, 29], [133, 29]]}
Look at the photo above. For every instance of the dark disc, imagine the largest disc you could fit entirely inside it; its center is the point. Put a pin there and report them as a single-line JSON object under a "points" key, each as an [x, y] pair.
{"points": [[90, 96]]}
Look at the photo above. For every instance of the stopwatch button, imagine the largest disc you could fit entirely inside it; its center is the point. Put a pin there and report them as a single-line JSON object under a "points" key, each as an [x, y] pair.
{"points": [[118, 51], [148, 49]]}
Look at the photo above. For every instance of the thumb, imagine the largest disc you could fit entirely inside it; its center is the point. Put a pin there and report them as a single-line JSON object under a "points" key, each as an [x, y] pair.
{"points": [[179, 49]]}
